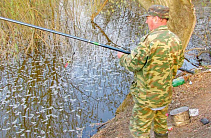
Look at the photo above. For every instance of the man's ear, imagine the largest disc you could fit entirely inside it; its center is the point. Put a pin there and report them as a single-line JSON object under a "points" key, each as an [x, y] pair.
{"points": [[156, 19]]}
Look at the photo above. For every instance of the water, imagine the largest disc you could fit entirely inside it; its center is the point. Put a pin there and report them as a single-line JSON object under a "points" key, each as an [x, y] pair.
{"points": [[39, 97], [42, 98]]}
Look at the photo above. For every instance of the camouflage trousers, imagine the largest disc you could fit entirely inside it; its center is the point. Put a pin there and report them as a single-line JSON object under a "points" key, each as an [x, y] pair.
{"points": [[143, 118]]}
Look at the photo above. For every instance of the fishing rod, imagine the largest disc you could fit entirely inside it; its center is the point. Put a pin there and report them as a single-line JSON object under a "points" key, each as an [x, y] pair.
{"points": [[66, 35], [74, 37]]}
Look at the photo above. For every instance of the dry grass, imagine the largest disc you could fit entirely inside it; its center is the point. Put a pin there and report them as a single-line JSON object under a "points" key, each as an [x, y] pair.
{"points": [[63, 16], [15, 38]]}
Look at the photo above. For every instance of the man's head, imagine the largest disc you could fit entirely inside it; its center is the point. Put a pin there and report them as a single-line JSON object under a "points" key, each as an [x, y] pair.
{"points": [[157, 15]]}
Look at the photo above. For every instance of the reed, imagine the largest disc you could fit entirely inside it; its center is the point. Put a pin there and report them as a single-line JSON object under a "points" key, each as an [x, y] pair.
{"points": [[15, 38], [60, 15]]}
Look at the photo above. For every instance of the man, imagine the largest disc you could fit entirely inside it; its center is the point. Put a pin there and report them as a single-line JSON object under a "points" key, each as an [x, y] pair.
{"points": [[154, 62]]}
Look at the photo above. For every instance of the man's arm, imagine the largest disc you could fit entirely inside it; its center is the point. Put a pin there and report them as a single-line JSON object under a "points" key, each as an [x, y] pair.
{"points": [[136, 60]]}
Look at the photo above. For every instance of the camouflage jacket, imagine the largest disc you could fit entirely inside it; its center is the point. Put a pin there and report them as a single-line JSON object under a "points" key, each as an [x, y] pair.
{"points": [[154, 62]]}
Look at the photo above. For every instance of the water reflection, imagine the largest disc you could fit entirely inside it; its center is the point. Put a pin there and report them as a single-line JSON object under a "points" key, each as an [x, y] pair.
{"points": [[41, 98]]}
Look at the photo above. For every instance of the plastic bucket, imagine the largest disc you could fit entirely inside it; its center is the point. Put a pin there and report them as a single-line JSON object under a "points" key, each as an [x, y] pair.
{"points": [[180, 116]]}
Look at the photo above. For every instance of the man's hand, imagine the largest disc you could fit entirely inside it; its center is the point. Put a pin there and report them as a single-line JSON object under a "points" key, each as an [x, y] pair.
{"points": [[119, 54]]}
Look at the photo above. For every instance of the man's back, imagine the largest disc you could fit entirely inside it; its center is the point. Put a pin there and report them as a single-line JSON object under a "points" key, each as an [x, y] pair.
{"points": [[153, 79]]}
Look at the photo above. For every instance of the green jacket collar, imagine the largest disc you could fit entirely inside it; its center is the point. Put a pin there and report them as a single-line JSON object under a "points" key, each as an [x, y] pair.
{"points": [[163, 27]]}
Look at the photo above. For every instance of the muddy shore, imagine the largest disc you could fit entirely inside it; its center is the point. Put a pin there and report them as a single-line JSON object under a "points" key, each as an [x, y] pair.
{"points": [[195, 93]]}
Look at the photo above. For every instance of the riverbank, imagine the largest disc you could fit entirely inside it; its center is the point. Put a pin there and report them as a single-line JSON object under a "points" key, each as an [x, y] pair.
{"points": [[195, 93]]}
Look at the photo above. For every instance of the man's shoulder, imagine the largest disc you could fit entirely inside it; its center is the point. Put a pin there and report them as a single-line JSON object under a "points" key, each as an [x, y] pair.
{"points": [[163, 34]]}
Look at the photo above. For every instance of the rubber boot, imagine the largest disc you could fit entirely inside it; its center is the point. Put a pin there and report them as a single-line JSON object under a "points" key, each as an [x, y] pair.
{"points": [[157, 135]]}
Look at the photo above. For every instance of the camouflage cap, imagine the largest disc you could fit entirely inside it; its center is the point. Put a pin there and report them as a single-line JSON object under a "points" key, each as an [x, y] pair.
{"points": [[158, 10]]}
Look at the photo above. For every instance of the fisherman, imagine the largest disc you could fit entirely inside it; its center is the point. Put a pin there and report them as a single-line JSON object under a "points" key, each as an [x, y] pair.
{"points": [[154, 63]]}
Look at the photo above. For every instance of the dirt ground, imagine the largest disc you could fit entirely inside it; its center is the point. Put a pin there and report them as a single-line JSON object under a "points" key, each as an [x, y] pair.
{"points": [[195, 93]]}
